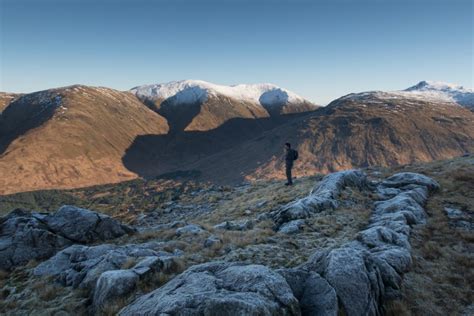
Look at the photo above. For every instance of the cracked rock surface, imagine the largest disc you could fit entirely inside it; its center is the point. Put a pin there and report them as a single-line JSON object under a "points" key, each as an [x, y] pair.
{"points": [[220, 288], [28, 235]]}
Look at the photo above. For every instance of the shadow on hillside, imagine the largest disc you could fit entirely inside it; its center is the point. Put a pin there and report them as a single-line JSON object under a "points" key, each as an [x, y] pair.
{"points": [[152, 156], [178, 117], [26, 113]]}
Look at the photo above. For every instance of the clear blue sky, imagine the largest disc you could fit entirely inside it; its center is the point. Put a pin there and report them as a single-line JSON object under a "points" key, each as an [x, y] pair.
{"points": [[318, 49]]}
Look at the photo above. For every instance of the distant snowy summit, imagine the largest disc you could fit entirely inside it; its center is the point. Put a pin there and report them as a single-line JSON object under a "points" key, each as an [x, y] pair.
{"points": [[433, 91], [198, 91], [444, 91]]}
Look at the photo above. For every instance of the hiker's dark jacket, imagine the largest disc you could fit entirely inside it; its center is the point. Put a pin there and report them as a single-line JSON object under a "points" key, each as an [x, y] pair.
{"points": [[290, 157]]}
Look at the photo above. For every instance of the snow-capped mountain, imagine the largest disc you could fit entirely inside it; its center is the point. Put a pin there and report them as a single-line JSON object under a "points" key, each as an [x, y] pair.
{"points": [[195, 105], [193, 91], [444, 91], [428, 91]]}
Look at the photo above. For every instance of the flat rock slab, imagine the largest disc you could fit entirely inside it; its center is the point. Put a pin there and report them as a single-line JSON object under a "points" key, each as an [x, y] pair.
{"points": [[220, 288]]}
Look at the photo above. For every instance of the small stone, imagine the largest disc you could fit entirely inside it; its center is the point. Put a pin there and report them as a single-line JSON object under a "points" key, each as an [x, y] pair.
{"points": [[292, 227], [245, 224], [212, 242], [190, 229]]}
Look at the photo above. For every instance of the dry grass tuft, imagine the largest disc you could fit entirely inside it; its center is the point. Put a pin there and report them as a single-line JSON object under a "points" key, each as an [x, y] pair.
{"points": [[397, 308], [464, 174], [4, 275], [129, 263]]}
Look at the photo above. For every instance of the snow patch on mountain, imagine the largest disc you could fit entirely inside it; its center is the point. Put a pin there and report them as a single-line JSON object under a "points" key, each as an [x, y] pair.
{"points": [[425, 90], [192, 91], [443, 91]]}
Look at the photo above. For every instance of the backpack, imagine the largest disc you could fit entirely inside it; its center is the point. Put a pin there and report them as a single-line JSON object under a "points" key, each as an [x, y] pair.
{"points": [[295, 154]]}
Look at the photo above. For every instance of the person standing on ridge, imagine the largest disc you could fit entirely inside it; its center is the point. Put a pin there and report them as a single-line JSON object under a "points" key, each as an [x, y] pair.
{"points": [[290, 156]]}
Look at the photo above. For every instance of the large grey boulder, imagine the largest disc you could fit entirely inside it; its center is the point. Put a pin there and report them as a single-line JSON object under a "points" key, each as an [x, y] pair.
{"points": [[315, 295], [113, 286], [80, 266], [366, 271], [219, 288], [323, 196], [24, 236], [84, 226], [355, 276]]}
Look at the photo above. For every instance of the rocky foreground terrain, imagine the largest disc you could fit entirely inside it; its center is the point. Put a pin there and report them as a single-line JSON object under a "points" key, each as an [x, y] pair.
{"points": [[373, 241]]}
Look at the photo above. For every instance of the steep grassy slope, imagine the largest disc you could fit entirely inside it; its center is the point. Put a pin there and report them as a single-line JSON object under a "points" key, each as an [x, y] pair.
{"points": [[351, 133], [71, 137]]}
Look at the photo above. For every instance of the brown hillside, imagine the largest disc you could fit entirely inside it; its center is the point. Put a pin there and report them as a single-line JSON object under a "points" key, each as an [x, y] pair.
{"points": [[350, 133], [217, 110], [71, 137], [81, 136]]}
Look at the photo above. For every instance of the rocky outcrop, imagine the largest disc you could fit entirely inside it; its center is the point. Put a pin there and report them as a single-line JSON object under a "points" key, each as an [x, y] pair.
{"points": [[85, 226], [114, 287], [80, 266], [353, 279], [26, 235], [220, 288], [315, 295], [323, 196], [353, 274], [369, 270]]}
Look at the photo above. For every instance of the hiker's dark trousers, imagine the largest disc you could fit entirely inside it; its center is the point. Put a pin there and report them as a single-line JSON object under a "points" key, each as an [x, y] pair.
{"points": [[288, 172]]}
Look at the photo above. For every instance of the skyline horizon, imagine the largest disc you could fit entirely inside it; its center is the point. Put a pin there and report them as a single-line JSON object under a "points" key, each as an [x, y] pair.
{"points": [[320, 50]]}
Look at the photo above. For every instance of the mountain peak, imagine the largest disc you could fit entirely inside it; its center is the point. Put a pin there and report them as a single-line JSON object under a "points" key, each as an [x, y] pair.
{"points": [[192, 91], [426, 85], [443, 91]]}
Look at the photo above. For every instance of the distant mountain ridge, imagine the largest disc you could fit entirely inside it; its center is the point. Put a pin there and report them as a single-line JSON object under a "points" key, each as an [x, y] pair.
{"points": [[448, 91], [434, 91], [79, 136], [192, 91], [196, 105]]}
